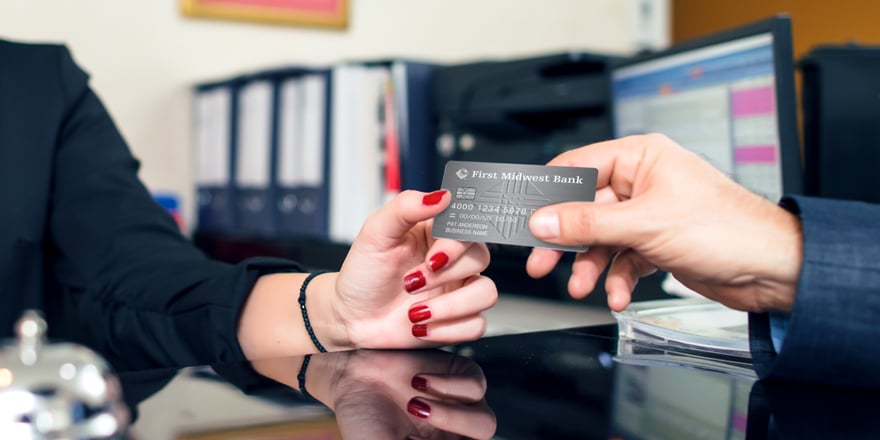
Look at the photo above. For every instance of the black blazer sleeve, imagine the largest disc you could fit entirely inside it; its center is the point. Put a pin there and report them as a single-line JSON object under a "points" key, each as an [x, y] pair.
{"points": [[133, 286], [832, 335]]}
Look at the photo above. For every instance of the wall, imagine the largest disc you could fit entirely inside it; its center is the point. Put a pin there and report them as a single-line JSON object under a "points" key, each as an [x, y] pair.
{"points": [[144, 56], [813, 22]]}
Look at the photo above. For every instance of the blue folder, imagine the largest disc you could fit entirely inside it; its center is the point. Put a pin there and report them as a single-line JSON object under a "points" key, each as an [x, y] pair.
{"points": [[215, 103]]}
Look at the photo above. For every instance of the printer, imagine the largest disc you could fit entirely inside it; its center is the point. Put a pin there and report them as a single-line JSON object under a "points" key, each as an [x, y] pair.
{"points": [[520, 111]]}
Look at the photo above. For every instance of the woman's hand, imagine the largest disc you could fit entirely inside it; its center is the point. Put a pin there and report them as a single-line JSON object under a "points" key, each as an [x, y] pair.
{"points": [[401, 288], [398, 288], [412, 394], [427, 394]]}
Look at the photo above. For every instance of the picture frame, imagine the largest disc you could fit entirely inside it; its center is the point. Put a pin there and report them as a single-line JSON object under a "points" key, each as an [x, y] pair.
{"points": [[320, 13]]}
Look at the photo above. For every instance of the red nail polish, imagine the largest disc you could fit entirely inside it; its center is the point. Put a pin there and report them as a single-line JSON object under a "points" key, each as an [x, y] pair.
{"points": [[419, 313], [420, 383], [420, 330], [414, 281], [418, 408], [438, 260], [433, 198]]}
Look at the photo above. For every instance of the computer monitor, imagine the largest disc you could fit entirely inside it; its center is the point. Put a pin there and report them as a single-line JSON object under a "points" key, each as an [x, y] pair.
{"points": [[729, 97]]}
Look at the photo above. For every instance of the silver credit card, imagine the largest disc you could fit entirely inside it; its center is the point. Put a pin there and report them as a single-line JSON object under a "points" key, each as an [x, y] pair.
{"points": [[492, 202]]}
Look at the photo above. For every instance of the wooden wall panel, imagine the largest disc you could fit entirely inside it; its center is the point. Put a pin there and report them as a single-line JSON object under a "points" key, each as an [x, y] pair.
{"points": [[813, 21]]}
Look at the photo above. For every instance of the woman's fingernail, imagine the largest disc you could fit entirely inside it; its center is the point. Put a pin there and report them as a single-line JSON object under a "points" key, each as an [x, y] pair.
{"points": [[545, 225], [420, 383], [418, 408], [433, 198], [414, 281], [437, 261], [419, 313], [420, 330]]}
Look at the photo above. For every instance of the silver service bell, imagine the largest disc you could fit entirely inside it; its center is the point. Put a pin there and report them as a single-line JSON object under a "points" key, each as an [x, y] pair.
{"points": [[58, 390]]}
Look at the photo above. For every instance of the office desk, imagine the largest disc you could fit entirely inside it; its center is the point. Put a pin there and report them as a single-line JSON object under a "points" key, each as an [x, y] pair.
{"points": [[565, 384]]}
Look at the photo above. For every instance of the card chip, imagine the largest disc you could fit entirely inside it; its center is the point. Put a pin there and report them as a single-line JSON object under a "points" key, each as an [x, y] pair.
{"points": [[466, 193]]}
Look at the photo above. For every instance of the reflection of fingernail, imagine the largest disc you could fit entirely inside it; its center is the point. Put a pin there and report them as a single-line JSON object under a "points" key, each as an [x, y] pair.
{"points": [[420, 330], [433, 198], [419, 313], [418, 408], [420, 383], [545, 225], [414, 281], [438, 260]]}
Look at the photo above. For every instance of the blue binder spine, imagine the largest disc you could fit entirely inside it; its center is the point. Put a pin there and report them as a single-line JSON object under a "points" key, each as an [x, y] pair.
{"points": [[415, 122], [252, 152], [284, 166], [215, 105], [313, 193], [301, 164]]}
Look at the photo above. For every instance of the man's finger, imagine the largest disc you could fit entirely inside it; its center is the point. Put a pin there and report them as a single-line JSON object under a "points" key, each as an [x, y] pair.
{"points": [[541, 261], [586, 270], [617, 160], [623, 275], [579, 223]]}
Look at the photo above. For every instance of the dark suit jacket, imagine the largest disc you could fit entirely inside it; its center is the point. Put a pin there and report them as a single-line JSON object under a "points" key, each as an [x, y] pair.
{"points": [[832, 333], [82, 238]]}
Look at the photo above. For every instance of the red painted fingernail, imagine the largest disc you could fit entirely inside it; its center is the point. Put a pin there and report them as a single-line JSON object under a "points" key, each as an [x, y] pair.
{"points": [[438, 260], [414, 281], [420, 383], [419, 313], [433, 198], [418, 408], [420, 330]]}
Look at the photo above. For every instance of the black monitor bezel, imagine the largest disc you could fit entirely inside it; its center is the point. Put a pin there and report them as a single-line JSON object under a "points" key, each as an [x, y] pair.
{"points": [[783, 64]]}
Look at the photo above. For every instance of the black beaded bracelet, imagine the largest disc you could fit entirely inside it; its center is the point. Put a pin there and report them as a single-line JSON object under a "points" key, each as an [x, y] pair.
{"points": [[305, 313], [301, 377]]}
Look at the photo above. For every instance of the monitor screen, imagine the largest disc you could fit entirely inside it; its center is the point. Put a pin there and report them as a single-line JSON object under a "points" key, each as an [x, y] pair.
{"points": [[728, 97]]}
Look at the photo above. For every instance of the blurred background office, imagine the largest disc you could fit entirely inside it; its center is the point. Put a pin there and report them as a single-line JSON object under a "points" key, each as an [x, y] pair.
{"points": [[145, 57]]}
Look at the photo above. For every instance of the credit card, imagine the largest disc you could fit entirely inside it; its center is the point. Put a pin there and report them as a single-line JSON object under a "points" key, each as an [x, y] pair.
{"points": [[492, 202]]}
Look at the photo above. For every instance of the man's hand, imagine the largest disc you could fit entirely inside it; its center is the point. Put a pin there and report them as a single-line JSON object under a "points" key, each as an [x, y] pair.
{"points": [[660, 206]]}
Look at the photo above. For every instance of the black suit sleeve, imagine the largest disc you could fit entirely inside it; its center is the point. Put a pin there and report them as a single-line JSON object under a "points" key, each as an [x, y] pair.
{"points": [[136, 289]]}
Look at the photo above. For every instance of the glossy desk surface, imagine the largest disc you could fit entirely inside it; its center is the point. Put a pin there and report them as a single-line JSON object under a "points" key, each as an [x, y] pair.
{"points": [[566, 384]]}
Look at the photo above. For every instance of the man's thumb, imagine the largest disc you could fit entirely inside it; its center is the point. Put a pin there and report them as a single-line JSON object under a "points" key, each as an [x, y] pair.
{"points": [[583, 223]]}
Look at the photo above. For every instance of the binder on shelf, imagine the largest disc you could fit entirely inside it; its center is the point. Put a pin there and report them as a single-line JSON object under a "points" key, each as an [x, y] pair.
{"points": [[252, 157], [301, 168], [390, 128], [411, 85], [356, 150], [382, 139], [312, 152], [214, 106]]}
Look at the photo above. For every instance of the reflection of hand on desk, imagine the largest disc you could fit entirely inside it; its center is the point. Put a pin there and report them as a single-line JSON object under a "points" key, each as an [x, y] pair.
{"points": [[394, 394], [556, 384]]}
